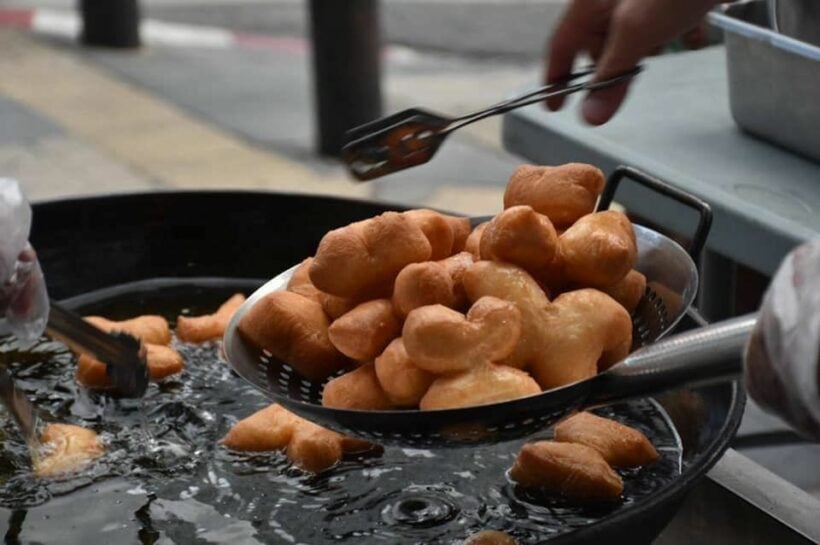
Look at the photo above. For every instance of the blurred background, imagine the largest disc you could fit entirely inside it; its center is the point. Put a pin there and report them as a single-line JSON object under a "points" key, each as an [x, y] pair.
{"points": [[221, 93]]}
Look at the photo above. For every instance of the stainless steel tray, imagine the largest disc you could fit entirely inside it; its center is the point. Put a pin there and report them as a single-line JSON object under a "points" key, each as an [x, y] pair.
{"points": [[773, 79]]}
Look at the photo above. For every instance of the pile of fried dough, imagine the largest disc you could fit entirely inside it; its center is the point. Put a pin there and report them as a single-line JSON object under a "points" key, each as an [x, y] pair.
{"points": [[423, 312]]}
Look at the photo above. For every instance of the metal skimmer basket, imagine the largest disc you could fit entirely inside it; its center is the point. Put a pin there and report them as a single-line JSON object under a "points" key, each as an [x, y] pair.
{"points": [[672, 282]]}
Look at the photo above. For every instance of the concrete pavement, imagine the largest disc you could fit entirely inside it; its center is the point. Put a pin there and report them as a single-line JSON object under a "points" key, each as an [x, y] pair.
{"points": [[89, 121], [205, 115], [155, 143]]}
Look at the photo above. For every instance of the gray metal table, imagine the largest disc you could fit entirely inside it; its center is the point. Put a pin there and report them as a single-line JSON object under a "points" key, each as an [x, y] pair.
{"points": [[676, 125]]}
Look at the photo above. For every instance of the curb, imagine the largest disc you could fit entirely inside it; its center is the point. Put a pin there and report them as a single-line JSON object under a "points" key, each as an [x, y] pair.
{"points": [[67, 25]]}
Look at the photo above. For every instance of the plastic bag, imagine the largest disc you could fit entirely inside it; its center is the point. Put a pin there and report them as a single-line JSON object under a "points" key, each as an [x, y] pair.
{"points": [[781, 364], [23, 297]]}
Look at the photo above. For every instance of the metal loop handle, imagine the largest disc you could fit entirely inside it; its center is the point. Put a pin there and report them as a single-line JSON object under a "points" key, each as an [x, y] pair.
{"points": [[655, 184]]}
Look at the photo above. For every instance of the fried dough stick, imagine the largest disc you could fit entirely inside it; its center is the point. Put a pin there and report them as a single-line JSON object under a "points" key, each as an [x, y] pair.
{"points": [[199, 329], [310, 447], [67, 449]]}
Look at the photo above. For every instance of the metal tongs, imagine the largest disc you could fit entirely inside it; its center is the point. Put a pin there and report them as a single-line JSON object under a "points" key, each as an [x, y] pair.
{"points": [[411, 137], [20, 408], [123, 355]]}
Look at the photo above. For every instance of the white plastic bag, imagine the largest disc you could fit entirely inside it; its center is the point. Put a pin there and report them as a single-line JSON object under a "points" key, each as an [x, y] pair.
{"points": [[782, 367], [23, 297]]}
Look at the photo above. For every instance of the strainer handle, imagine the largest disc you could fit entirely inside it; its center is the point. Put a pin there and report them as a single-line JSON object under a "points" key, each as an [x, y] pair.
{"points": [[650, 182], [702, 356]]}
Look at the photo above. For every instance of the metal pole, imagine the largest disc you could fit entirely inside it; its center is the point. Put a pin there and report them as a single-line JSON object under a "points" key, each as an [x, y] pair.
{"points": [[347, 88], [110, 23]]}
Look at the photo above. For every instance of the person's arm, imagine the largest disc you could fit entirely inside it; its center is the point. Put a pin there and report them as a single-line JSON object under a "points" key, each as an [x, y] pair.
{"points": [[782, 364], [23, 298], [617, 34]]}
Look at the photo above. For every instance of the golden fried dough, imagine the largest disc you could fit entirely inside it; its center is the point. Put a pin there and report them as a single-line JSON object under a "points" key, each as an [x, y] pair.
{"points": [[512, 283], [571, 470], [561, 342], [293, 329], [198, 329], [309, 447], [67, 449], [579, 328], [361, 261], [162, 361], [422, 284], [441, 340], [148, 328], [456, 265], [300, 282], [403, 382], [268, 429], [620, 445], [521, 236], [473, 242], [314, 448], [335, 306], [628, 291], [553, 279], [354, 445], [432, 283], [364, 332], [562, 193], [490, 537], [480, 385], [616, 354], [438, 230], [461, 230], [599, 249], [358, 389], [91, 373]]}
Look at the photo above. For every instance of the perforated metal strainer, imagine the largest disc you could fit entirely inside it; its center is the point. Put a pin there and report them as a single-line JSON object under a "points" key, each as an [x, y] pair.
{"points": [[672, 281]]}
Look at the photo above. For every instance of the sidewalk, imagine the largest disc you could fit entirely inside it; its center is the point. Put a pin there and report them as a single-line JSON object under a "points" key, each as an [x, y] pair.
{"points": [[82, 121], [509, 28]]}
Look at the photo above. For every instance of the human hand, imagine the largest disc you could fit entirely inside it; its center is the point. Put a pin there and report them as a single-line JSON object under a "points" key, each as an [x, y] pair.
{"points": [[23, 297], [617, 34], [782, 364]]}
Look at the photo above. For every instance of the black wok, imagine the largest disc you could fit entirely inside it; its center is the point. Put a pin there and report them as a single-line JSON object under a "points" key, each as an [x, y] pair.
{"points": [[92, 243]]}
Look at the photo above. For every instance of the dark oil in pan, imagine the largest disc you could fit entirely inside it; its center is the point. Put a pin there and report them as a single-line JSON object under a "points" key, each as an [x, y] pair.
{"points": [[165, 479]]}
